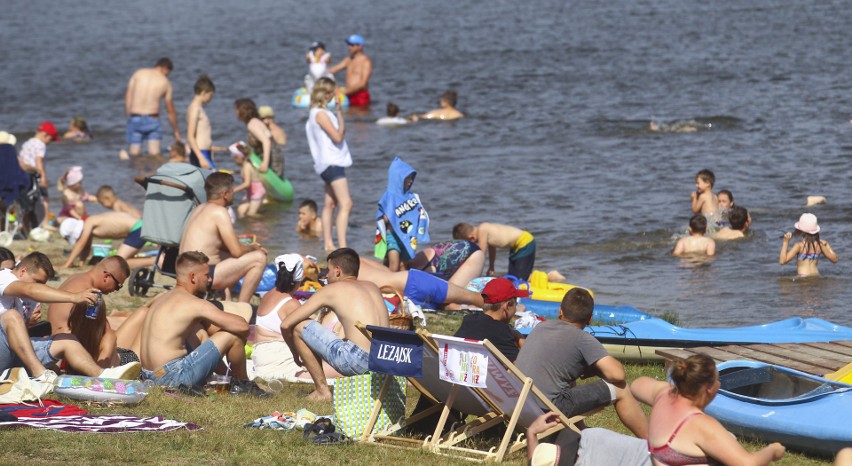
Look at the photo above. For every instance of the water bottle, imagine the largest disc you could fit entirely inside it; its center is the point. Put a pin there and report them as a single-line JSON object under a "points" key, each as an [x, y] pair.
{"points": [[92, 310]]}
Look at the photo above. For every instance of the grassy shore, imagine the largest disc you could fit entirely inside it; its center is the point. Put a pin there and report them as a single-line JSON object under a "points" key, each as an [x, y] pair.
{"points": [[223, 440]]}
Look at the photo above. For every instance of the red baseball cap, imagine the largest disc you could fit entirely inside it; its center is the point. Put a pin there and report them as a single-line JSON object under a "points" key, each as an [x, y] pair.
{"points": [[48, 128], [501, 289]]}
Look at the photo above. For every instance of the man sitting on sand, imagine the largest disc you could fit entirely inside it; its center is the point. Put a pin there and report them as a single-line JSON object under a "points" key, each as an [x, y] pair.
{"points": [[209, 230], [181, 319], [108, 347], [696, 243], [351, 300], [423, 288], [109, 225], [739, 219], [20, 290]]}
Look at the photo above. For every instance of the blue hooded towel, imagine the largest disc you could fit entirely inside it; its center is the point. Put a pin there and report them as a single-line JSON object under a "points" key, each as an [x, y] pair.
{"points": [[408, 220]]}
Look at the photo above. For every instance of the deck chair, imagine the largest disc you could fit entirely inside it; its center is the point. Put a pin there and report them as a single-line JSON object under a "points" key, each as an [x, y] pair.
{"points": [[510, 398]]}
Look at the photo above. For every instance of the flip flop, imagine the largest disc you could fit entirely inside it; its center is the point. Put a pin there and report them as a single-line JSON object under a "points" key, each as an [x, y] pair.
{"points": [[331, 438]]}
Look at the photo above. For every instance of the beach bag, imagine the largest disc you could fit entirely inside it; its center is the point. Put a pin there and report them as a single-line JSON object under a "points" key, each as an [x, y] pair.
{"points": [[355, 398], [16, 386]]}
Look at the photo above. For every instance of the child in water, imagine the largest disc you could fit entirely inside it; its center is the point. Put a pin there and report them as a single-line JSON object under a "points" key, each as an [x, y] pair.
{"points": [[318, 60], [807, 251], [392, 118], [251, 181], [703, 199], [447, 111], [78, 130], [309, 225], [73, 194], [696, 243]]}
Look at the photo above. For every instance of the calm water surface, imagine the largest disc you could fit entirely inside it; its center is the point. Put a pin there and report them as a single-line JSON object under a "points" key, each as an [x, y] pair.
{"points": [[558, 97]]}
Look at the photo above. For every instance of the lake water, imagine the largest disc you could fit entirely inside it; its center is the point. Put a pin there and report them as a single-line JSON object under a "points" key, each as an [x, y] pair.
{"points": [[558, 98]]}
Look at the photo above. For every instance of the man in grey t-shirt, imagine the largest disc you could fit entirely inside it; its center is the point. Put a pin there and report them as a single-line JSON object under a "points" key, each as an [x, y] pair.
{"points": [[558, 352]]}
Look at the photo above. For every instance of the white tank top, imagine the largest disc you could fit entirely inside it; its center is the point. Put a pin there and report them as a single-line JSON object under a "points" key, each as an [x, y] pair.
{"points": [[323, 150], [272, 321]]}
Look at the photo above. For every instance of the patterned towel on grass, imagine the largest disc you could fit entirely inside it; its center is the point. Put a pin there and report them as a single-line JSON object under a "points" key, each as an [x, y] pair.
{"points": [[107, 423], [47, 409]]}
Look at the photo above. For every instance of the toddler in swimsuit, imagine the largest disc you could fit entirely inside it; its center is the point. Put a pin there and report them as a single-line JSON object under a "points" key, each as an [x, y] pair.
{"points": [[73, 194], [251, 182], [807, 251]]}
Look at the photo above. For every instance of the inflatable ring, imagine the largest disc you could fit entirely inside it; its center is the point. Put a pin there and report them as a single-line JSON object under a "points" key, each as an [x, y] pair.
{"points": [[302, 99], [78, 387]]}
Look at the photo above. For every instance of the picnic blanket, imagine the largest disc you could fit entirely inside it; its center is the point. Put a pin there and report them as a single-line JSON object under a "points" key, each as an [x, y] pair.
{"points": [[100, 423], [48, 408]]}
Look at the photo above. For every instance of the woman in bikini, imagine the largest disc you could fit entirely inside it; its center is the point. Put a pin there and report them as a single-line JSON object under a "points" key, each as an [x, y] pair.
{"points": [[808, 251], [271, 356], [679, 433]]}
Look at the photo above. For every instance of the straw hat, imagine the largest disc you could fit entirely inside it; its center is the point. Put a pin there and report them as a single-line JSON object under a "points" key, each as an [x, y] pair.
{"points": [[265, 111], [808, 224], [546, 454]]}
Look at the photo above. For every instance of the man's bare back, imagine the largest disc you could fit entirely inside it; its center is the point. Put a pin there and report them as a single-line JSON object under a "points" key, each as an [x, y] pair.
{"points": [[203, 232], [112, 225], [146, 88], [695, 244], [498, 236], [59, 313]]}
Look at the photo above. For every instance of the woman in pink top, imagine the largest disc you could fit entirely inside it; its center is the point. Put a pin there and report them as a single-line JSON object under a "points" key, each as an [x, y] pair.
{"points": [[679, 432]]}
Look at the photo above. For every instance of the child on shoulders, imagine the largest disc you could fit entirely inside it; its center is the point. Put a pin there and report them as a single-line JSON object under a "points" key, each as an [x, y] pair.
{"points": [[703, 199], [255, 192], [696, 243]]}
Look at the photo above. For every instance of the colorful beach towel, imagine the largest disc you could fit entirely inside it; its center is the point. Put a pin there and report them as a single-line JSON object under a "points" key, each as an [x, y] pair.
{"points": [[409, 222], [49, 408], [106, 423]]}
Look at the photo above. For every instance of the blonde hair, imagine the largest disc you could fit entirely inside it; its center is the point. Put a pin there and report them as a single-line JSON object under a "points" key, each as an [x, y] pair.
{"points": [[322, 93]]}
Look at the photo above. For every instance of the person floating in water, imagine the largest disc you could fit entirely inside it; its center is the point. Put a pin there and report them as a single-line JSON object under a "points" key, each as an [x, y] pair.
{"points": [[808, 251], [447, 111], [696, 243]]}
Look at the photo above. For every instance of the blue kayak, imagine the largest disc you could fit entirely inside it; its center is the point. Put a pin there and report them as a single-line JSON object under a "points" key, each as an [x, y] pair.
{"points": [[778, 404]]}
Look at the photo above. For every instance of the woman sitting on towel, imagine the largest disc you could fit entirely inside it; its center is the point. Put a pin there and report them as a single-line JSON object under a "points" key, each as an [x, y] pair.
{"points": [[678, 430], [271, 356]]}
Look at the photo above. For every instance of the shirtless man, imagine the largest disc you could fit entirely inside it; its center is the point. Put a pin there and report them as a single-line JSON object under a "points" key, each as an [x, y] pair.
{"points": [[358, 68], [351, 300], [20, 290], [198, 132], [424, 289], [113, 347], [739, 219], [110, 225], [182, 317], [490, 236], [209, 230], [696, 243], [446, 112], [147, 87]]}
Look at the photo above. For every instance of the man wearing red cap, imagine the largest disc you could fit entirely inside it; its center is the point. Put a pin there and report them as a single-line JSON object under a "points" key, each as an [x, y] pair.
{"points": [[501, 302], [31, 159]]}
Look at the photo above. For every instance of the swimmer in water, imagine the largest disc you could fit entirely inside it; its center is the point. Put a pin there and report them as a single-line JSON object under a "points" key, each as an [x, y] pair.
{"points": [[696, 243], [446, 112], [681, 126], [808, 251]]}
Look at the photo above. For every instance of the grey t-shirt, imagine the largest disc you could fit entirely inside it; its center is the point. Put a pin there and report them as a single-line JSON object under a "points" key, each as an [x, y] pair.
{"points": [[556, 354]]}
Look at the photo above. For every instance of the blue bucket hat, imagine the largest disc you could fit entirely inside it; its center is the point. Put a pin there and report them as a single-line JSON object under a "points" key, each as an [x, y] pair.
{"points": [[355, 39]]}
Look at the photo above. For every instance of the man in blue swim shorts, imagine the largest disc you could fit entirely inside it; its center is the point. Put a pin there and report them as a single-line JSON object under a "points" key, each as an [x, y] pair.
{"points": [[351, 300], [147, 87], [423, 288], [184, 336], [108, 225]]}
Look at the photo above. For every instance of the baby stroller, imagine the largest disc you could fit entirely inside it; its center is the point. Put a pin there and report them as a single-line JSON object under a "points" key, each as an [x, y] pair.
{"points": [[19, 194], [170, 197]]}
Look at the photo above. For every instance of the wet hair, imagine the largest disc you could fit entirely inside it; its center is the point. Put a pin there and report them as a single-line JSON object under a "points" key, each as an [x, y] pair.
{"points": [[727, 193], [450, 97], [698, 224], [577, 306], [81, 124], [104, 191], [204, 84], [347, 259], [188, 260], [811, 243], [284, 281], [218, 183], [6, 255], [693, 374], [707, 176], [246, 109], [322, 93], [37, 261], [737, 217], [310, 204], [165, 63], [462, 230], [393, 110], [116, 263]]}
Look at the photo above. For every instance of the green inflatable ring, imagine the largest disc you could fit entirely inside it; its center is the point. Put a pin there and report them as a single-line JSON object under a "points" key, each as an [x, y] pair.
{"points": [[278, 189]]}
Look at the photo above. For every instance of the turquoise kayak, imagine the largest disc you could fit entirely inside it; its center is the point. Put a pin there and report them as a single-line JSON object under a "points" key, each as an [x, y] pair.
{"points": [[778, 404], [277, 188]]}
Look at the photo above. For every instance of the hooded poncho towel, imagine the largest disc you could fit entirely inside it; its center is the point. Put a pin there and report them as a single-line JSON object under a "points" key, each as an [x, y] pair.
{"points": [[407, 218]]}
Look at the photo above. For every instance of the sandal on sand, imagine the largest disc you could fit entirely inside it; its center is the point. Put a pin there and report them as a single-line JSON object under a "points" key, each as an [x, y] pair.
{"points": [[331, 438]]}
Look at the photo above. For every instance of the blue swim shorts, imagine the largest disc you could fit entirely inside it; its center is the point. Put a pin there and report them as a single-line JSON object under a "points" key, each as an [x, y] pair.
{"points": [[190, 370], [134, 238], [8, 358], [394, 245], [425, 289], [333, 173], [142, 127], [343, 355]]}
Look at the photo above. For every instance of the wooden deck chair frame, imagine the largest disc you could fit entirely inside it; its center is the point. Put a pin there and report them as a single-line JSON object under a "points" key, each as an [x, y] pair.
{"points": [[491, 414]]}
